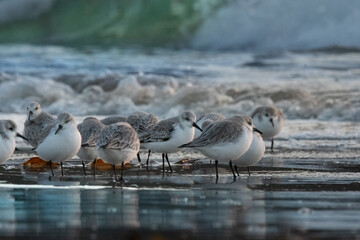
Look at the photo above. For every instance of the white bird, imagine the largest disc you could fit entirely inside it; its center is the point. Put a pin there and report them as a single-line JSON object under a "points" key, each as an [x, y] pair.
{"points": [[167, 135], [224, 140], [118, 144], [7, 139], [142, 122], [89, 129], [206, 119], [269, 120], [37, 121], [255, 152], [61, 143]]}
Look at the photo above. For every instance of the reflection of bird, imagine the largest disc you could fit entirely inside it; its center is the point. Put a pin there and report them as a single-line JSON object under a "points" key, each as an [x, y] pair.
{"points": [[61, 142], [167, 135], [225, 140], [118, 144], [142, 122], [37, 121], [7, 139], [89, 129], [268, 120]]}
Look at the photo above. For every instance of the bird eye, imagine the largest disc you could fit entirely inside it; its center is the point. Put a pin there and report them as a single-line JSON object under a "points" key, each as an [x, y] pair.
{"points": [[266, 114], [250, 123], [36, 108], [187, 119], [11, 129]]}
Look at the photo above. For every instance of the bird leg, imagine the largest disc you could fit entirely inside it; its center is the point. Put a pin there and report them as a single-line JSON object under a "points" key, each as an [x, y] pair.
{"points": [[232, 169], [138, 157], [163, 158], [83, 164], [95, 160], [147, 161], [248, 168], [167, 159], [272, 144], [50, 164], [217, 173], [62, 169], [236, 170]]}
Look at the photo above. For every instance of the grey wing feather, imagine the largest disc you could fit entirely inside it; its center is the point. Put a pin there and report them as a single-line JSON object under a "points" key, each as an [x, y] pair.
{"points": [[45, 132], [217, 132], [160, 132], [118, 137], [89, 135], [34, 129]]}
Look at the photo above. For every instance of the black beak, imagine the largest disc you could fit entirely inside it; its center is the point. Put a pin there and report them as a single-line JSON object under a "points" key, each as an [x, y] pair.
{"points": [[58, 129], [30, 114], [21, 136], [272, 122], [257, 130], [197, 126]]}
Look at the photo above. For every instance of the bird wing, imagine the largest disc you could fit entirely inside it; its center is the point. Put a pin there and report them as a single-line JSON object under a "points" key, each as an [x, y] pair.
{"points": [[161, 132], [118, 137], [217, 132]]}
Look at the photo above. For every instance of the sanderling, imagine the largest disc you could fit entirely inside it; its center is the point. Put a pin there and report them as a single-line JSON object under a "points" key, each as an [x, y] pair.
{"points": [[268, 120], [255, 152], [7, 139], [225, 140], [61, 143], [118, 144], [36, 122], [142, 122], [89, 129], [167, 135], [113, 119], [206, 119]]}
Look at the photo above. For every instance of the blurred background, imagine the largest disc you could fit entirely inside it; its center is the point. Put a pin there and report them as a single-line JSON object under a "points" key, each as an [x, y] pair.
{"points": [[230, 56]]}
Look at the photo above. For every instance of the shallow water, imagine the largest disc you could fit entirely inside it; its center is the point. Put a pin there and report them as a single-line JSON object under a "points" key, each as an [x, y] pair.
{"points": [[307, 188]]}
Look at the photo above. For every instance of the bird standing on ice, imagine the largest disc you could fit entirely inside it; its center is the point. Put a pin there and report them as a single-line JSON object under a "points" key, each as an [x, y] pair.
{"points": [[7, 139], [61, 143], [118, 144], [89, 129], [270, 121], [224, 140], [167, 135], [37, 121]]}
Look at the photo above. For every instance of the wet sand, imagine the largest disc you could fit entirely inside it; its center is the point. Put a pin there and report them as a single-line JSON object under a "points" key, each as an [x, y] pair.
{"points": [[296, 192]]}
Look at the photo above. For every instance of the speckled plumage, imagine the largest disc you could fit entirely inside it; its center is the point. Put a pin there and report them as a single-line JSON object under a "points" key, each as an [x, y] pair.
{"points": [[90, 129], [118, 136], [113, 119]]}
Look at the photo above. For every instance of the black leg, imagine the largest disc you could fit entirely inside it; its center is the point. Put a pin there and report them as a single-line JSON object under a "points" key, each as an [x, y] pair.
{"points": [[163, 158], [272, 144], [52, 172], [216, 167], [236, 170], [62, 169], [138, 156], [232, 169], [114, 167], [167, 159], [83, 164], [248, 168], [121, 180], [147, 161]]}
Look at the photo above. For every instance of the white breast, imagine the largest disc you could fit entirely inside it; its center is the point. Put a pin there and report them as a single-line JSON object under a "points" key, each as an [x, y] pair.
{"points": [[179, 137], [254, 154], [7, 147], [60, 147]]}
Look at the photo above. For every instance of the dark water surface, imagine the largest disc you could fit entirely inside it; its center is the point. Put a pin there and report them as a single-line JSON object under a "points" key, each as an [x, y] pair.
{"points": [[285, 197]]}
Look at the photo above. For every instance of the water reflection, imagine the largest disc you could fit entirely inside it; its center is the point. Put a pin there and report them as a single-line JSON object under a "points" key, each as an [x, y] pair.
{"points": [[213, 212]]}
